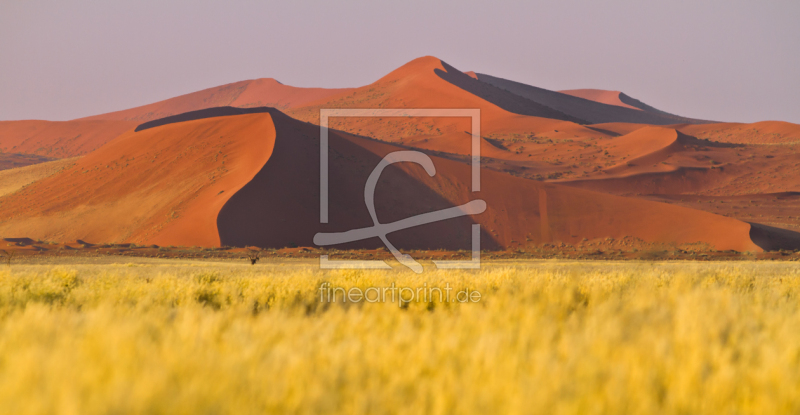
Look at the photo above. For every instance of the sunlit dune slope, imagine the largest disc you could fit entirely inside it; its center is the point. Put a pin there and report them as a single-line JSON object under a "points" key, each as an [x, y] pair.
{"points": [[58, 139], [163, 185]]}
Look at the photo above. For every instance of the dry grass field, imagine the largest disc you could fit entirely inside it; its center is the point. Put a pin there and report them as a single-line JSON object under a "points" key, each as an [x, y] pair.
{"points": [[546, 337]]}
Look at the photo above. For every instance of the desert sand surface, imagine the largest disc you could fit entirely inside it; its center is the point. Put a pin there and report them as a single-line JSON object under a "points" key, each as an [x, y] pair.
{"points": [[14, 179], [40, 252], [58, 139]]}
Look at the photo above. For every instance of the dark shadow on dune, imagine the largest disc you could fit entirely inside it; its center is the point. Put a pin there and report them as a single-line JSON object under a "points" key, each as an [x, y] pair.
{"points": [[503, 99], [770, 238], [592, 111], [280, 206], [201, 114], [21, 241], [496, 143]]}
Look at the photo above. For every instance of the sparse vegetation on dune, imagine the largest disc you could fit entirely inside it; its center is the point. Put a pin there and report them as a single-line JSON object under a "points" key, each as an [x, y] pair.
{"points": [[546, 337]]}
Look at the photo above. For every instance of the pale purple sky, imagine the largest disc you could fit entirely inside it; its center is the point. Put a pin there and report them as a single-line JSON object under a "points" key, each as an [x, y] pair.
{"points": [[720, 60]]}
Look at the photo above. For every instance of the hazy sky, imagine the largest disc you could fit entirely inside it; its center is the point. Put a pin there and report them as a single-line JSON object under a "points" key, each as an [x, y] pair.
{"points": [[726, 60]]}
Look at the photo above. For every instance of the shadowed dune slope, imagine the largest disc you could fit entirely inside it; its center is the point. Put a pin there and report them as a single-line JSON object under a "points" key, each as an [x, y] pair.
{"points": [[771, 238], [617, 98], [245, 94], [254, 180], [583, 107], [274, 211], [429, 82], [58, 139]]}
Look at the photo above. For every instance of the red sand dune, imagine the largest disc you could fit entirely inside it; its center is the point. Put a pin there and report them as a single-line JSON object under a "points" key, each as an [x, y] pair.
{"points": [[646, 150], [714, 172], [253, 180], [723, 159], [78, 137], [429, 82], [163, 185], [601, 96], [618, 128], [252, 93], [58, 139], [643, 142]]}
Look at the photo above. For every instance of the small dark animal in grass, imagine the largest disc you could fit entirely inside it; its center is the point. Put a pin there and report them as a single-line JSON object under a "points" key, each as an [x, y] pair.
{"points": [[253, 257]]}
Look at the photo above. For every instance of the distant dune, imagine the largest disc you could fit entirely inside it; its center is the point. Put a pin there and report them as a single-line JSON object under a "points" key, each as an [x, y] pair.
{"points": [[600, 95], [765, 132], [646, 150], [429, 82], [595, 106], [252, 93], [58, 139], [65, 139]]}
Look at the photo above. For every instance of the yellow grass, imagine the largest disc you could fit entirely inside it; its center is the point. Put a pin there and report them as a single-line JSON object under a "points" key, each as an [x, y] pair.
{"points": [[546, 337]]}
